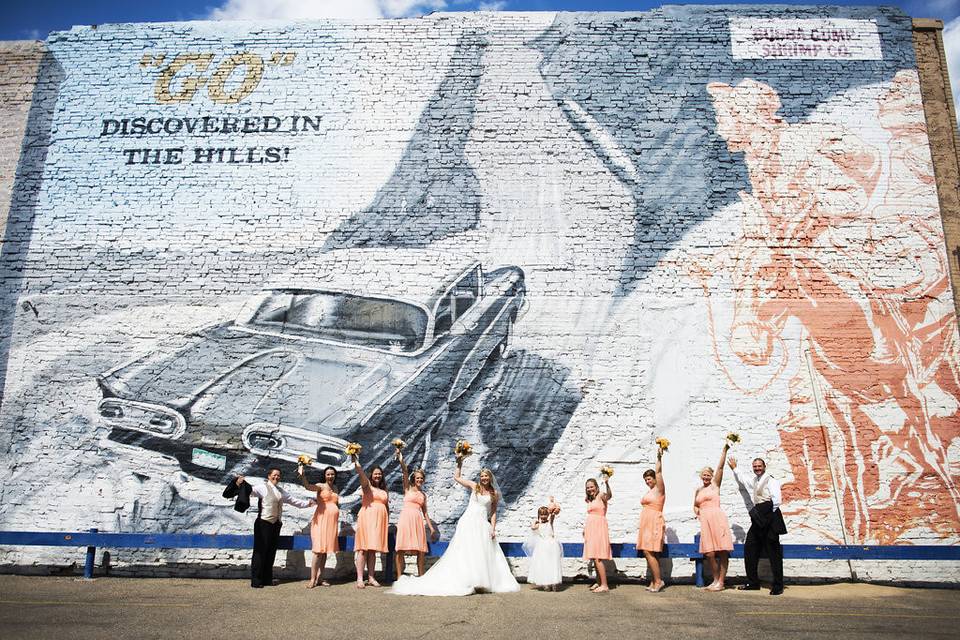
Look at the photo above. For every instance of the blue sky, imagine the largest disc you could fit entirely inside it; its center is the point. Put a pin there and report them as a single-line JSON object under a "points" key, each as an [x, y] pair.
{"points": [[34, 19]]}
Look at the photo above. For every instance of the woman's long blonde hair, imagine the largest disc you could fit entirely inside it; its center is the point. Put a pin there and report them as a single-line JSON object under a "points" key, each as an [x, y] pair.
{"points": [[493, 482]]}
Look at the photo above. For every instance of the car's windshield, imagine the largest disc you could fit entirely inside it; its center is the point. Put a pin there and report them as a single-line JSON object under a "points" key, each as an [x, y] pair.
{"points": [[386, 324]]}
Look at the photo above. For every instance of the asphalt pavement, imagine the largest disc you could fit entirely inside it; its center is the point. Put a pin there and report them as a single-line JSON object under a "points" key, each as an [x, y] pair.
{"points": [[142, 608]]}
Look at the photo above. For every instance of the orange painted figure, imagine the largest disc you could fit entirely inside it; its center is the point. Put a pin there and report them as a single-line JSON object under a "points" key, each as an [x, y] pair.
{"points": [[842, 234]]}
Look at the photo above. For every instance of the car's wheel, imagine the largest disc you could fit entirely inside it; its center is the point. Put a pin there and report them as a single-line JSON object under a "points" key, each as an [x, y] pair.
{"points": [[502, 350]]}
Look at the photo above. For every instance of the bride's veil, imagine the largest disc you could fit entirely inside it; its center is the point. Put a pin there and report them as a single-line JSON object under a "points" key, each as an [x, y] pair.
{"points": [[493, 483]]}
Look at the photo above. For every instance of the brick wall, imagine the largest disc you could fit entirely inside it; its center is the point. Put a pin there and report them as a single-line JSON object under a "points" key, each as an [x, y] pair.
{"points": [[941, 128], [18, 70], [689, 221]]}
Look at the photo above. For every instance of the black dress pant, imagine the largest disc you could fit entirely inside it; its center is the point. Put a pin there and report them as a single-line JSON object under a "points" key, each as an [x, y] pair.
{"points": [[763, 541], [266, 537]]}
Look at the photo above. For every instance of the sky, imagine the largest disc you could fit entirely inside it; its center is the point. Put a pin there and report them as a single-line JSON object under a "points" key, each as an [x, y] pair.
{"points": [[34, 19]]}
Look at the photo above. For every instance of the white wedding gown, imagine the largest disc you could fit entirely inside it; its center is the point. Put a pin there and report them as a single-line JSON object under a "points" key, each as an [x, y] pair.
{"points": [[473, 560]]}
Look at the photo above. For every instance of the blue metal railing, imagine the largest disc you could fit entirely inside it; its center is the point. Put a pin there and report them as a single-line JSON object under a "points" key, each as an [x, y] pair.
{"points": [[93, 538]]}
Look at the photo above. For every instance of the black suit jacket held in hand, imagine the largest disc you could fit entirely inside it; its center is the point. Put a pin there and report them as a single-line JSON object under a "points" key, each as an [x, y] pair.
{"points": [[770, 521], [241, 493]]}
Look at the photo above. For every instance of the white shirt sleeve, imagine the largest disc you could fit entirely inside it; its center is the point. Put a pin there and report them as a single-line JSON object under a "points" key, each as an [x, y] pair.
{"points": [[258, 490], [303, 503], [744, 480], [774, 487]]}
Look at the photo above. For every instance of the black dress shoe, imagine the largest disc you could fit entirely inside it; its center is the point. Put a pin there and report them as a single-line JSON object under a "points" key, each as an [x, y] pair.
{"points": [[776, 591], [256, 586], [748, 587]]}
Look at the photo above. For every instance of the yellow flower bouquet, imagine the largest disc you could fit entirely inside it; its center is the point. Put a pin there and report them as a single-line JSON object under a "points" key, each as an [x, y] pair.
{"points": [[399, 444], [463, 448], [663, 443], [353, 449], [733, 438], [305, 460], [606, 470]]}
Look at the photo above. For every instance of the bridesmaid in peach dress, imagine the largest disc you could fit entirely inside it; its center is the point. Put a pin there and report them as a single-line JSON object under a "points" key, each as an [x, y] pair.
{"points": [[716, 543], [372, 520], [596, 533], [411, 537], [325, 523], [652, 528]]}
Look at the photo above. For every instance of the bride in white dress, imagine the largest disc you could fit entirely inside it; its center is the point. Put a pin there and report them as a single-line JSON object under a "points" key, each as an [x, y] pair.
{"points": [[473, 560]]}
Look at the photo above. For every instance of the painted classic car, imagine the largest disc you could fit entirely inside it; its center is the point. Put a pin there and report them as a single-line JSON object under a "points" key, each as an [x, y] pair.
{"points": [[376, 346]]}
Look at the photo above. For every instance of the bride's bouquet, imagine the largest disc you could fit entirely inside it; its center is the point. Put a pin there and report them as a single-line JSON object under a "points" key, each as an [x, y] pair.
{"points": [[662, 443], [733, 438], [399, 444], [305, 461], [463, 448], [606, 470], [353, 449]]}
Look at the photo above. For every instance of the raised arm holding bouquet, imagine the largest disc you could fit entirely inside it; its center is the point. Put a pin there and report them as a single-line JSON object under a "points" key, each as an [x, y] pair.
{"points": [[410, 534], [553, 506], [652, 527], [325, 524], [716, 542], [473, 560], [596, 532], [545, 569], [372, 520]]}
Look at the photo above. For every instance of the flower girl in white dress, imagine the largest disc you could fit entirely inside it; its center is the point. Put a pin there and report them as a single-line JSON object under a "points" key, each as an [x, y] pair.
{"points": [[545, 551]]}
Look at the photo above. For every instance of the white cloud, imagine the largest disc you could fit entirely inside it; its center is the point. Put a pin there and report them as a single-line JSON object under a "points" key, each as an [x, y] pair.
{"points": [[316, 9], [397, 8], [951, 46], [491, 6]]}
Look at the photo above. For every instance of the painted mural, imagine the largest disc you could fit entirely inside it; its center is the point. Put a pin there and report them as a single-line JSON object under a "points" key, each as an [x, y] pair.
{"points": [[878, 351], [558, 236]]}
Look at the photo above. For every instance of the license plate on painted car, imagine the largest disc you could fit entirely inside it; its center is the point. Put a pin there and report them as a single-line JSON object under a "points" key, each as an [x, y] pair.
{"points": [[207, 459]]}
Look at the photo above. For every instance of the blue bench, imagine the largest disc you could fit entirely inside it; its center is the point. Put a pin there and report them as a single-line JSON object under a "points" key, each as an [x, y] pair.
{"points": [[92, 539]]}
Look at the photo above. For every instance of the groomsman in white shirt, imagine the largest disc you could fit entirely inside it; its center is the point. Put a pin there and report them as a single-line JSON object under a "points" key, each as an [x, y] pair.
{"points": [[266, 528], [766, 525]]}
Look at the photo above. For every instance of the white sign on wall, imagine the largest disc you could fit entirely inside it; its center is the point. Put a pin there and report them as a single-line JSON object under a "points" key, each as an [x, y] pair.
{"points": [[804, 39]]}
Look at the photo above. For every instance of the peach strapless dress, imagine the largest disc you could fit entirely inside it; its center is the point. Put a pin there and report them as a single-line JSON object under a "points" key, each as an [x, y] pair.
{"points": [[714, 526], [652, 527], [410, 532], [371, 532], [596, 533], [326, 522]]}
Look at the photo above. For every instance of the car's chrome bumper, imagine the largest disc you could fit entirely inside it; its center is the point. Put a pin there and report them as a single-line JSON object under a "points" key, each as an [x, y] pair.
{"points": [[145, 417], [289, 443]]}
